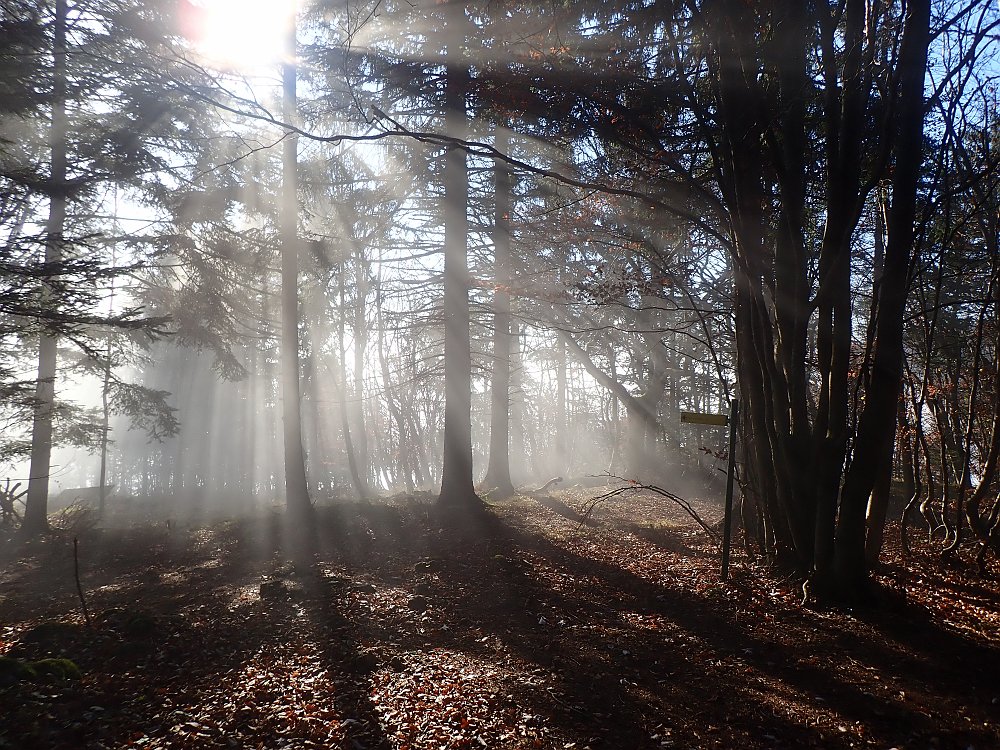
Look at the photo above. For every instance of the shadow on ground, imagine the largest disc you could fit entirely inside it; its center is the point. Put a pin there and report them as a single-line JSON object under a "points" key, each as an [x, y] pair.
{"points": [[406, 624]]}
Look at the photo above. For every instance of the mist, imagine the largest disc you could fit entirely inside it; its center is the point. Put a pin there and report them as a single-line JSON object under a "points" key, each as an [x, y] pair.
{"points": [[225, 457], [411, 375]]}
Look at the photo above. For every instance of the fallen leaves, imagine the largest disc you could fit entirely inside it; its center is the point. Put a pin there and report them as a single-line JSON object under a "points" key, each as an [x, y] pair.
{"points": [[535, 632]]}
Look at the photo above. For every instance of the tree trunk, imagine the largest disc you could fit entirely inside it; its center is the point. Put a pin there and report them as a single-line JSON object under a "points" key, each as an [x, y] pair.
{"points": [[360, 349], [498, 470], [871, 449], [518, 449], [405, 470], [559, 466], [357, 478], [456, 474], [296, 489], [105, 432], [36, 502]]}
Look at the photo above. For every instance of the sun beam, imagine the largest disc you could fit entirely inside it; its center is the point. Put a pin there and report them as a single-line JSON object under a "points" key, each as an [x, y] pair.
{"points": [[238, 35]]}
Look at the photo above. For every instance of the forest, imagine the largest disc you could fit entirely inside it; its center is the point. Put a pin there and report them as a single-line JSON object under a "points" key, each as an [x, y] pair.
{"points": [[425, 374]]}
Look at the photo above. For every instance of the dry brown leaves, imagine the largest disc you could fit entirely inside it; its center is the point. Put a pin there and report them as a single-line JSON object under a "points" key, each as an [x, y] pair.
{"points": [[543, 624]]}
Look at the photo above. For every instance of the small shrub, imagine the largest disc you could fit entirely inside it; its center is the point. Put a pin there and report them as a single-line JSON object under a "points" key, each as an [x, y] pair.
{"points": [[76, 518]]}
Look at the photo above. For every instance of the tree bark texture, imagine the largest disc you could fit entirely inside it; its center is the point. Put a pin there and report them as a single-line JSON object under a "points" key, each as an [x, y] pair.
{"points": [[456, 474], [812, 494], [498, 469], [296, 488], [36, 501]]}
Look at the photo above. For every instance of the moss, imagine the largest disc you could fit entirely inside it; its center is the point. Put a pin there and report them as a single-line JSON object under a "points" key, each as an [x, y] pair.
{"points": [[44, 670], [55, 670]]}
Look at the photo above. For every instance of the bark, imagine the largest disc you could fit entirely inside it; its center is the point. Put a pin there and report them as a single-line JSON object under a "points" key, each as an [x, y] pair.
{"points": [[518, 449], [844, 113], [984, 527], [36, 501], [403, 449], [456, 473], [296, 489], [878, 503], [616, 428], [105, 433], [878, 417], [634, 405], [498, 469], [360, 434], [357, 478], [742, 161], [559, 466]]}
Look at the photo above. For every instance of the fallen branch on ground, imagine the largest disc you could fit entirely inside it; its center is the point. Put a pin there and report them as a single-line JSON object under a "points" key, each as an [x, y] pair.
{"points": [[550, 483], [632, 487]]}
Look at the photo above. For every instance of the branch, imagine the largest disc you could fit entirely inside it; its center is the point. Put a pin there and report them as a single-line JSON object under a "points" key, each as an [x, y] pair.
{"points": [[475, 148], [633, 487]]}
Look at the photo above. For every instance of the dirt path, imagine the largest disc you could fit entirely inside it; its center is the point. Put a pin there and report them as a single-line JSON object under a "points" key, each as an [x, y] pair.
{"points": [[536, 625]]}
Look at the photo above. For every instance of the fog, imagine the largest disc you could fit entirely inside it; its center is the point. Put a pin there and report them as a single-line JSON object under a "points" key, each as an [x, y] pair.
{"points": [[374, 282], [226, 457]]}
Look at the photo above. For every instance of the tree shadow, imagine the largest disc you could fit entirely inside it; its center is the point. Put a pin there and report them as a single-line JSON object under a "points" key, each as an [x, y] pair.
{"points": [[204, 625], [594, 680], [666, 537], [597, 653], [559, 507], [599, 691]]}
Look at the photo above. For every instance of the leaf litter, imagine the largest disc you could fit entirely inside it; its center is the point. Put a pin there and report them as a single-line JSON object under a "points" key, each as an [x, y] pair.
{"points": [[404, 627]]}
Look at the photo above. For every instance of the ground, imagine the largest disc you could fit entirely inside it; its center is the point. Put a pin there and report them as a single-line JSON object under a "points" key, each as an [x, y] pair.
{"points": [[541, 623]]}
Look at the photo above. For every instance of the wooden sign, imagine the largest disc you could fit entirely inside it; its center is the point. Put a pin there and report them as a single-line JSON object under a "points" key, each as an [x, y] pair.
{"points": [[693, 417]]}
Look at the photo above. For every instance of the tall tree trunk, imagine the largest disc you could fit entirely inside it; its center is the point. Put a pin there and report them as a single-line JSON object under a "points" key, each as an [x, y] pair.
{"points": [[456, 473], [498, 471], [561, 420], [360, 326], [616, 426], [105, 432], [252, 413], [357, 478], [403, 449], [871, 449], [519, 454], [106, 410], [296, 489], [36, 502], [878, 503]]}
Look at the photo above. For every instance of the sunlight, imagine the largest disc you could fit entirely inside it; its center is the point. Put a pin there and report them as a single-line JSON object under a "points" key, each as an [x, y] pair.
{"points": [[240, 35]]}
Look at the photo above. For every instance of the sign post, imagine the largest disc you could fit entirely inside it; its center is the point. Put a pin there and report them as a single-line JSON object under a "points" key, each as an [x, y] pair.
{"points": [[734, 413], [721, 420], [695, 417]]}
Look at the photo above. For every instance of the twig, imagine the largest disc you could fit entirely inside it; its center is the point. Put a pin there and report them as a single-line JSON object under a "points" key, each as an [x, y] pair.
{"points": [[79, 588]]}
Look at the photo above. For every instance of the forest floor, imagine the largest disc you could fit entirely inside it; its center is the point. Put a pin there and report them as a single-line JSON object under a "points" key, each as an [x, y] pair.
{"points": [[533, 625]]}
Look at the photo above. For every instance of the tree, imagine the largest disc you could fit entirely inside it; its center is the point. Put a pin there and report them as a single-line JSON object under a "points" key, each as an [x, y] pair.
{"points": [[498, 470], [64, 270], [35, 516], [456, 475], [296, 489], [767, 128]]}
